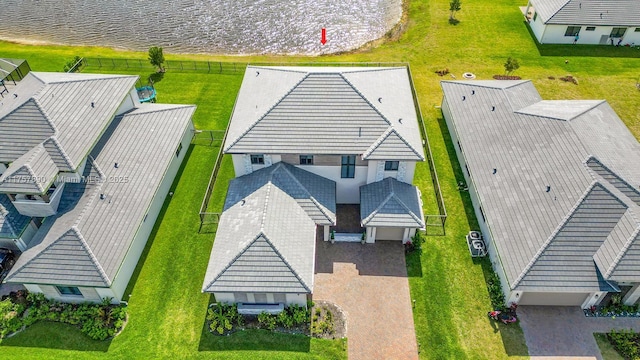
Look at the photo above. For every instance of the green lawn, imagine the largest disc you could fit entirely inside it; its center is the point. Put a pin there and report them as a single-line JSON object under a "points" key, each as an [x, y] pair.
{"points": [[606, 349], [166, 307]]}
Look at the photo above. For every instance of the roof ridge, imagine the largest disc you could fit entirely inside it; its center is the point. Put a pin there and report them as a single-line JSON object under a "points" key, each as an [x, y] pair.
{"points": [[44, 114], [618, 177], [558, 10], [172, 108], [92, 256], [54, 140], [622, 252], [364, 98], [388, 132], [103, 77], [266, 113], [232, 261], [375, 211], [587, 110], [553, 235], [295, 273]]}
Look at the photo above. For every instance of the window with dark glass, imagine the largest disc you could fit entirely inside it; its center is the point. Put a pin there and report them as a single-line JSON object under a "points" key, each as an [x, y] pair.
{"points": [[348, 166], [590, 28], [306, 159], [618, 32], [69, 291], [391, 165], [572, 31], [179, 150], [257, 159]]}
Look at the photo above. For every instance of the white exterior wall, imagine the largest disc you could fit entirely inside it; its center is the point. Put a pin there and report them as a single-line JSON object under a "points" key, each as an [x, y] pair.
{"points": [[298, 299], [372, 171], [226, 298], [537, 27], [129, 102], [121, 280], [88, 294], [496, 262], [554, 34], [38, 207]]}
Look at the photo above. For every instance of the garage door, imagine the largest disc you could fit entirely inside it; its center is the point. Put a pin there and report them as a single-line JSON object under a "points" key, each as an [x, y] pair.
{"points": [[553, 299], [389, 233]]}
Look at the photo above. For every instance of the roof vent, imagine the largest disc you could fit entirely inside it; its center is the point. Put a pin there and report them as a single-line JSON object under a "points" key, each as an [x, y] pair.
{"points": [[495, 171], [600, 15], [15, 95], [548, 188], [360, 131], [242, 202], [473, 92], [101, 196], [257, 72], [115, 165], [93, 104], [380, 100], [464, 98], [493, 108], [400, 120]]}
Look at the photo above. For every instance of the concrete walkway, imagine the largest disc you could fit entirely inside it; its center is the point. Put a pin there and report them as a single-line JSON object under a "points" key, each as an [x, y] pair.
{"points": [[565, 333], [369, 282]]}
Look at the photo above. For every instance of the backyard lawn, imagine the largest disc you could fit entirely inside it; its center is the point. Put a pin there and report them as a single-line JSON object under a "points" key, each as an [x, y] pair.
{"points": [[166, 308]]}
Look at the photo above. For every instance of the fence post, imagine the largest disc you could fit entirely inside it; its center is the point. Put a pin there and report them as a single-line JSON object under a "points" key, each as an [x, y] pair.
{"points": [[220, 63], [209, 65]]}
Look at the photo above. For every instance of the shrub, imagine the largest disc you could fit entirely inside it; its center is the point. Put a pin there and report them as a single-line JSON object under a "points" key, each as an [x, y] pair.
{"points": [[223, 316], [511, 65], [626, 342], [495, 291], [285, 319], [267, 321]]}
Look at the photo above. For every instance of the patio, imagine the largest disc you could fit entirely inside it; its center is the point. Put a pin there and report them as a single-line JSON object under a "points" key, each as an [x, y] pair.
{"points": [[369, 282], [348, 219]]}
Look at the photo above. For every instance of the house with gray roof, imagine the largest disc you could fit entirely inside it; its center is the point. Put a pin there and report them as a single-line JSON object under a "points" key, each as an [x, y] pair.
{"points": [[305, 141], [593, 22], [90, 166], [554, 186]]}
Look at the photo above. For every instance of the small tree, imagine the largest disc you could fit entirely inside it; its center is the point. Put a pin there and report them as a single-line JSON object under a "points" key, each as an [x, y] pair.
{"points": [[454, 7], [511, 65], [156, 57]]}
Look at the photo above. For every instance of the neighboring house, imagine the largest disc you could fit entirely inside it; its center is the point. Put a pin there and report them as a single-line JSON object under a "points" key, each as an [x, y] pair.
{"points": [[341, 136], [92, 167], [594, 21], [554, 185]]}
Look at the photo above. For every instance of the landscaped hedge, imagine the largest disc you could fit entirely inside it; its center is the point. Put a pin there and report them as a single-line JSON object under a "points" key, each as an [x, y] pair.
{"points": [[626, 342], [98, 321]]}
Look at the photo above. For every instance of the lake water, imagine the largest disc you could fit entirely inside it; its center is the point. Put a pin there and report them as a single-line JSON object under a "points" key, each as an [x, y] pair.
{"points": [[201, 26]]}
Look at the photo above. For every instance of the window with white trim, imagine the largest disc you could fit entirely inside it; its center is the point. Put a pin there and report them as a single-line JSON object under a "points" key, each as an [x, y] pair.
{"points": [[391, 165]]}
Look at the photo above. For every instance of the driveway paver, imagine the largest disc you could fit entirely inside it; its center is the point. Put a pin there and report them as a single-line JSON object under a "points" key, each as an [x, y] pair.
{"points": [[563, 332], [369, 282]]}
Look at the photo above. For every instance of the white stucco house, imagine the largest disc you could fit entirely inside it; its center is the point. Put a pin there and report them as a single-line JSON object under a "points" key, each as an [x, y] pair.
{"points": [[304, 141], [554, 186], [592, 21], [85, 170]]}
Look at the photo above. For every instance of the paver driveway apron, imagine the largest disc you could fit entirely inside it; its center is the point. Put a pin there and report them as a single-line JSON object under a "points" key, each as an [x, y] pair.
{"points": [[369, 282]]}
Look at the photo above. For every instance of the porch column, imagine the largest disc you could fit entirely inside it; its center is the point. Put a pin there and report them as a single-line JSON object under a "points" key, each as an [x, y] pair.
{"points": [[326, 233], [405, 236], [593, 299], [371, 235], [632, 296], [526, 12]]}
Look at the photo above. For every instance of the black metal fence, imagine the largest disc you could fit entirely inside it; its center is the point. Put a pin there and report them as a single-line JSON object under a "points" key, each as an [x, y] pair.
{"points": [[432, 221], [210, 138]]}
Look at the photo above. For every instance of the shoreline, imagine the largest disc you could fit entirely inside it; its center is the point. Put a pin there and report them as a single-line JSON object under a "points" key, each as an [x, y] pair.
{"points": [[392, 35]]}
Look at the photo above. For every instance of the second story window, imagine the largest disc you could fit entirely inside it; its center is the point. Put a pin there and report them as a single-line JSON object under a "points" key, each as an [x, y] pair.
{"points": [[391, 165], [306, 159], [257, 159], [348, 169]]}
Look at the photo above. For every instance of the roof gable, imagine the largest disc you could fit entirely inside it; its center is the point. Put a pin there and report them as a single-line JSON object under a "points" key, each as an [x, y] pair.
{"points": [[391, 145], [258, 268], [69, 258], [322, 108], [392, 203], [566, 259], [32, 173], [560, 109], [23, 128]]}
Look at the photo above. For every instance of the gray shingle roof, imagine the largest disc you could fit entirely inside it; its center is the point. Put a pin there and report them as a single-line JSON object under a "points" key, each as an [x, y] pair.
{"points": [[265, 241], [529, 164], [32, 173], [87, 241], [12, 224], [391, 203], [589, 12], [59, 105], [296, 110]]}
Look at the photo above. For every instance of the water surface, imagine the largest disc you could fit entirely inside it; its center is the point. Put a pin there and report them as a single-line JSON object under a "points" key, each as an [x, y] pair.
{"points": [[201, 26]]}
